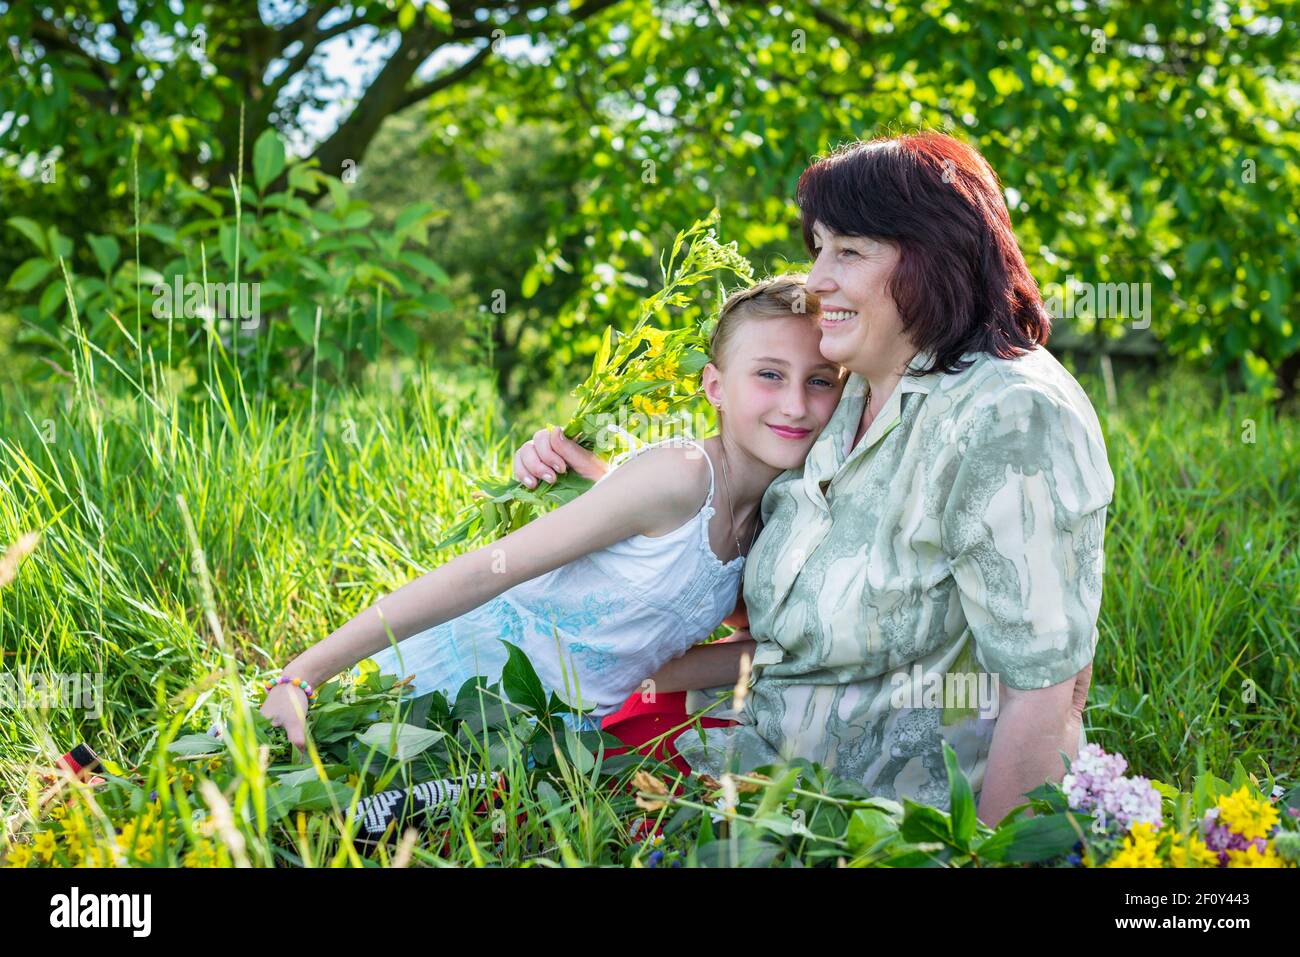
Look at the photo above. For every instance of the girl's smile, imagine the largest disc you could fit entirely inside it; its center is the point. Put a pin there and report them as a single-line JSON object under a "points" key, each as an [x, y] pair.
{"points": [[788, 433]]}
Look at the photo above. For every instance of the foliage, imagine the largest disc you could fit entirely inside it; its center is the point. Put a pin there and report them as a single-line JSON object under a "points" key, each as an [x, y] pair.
{"points": [[786, 815], [248, 278], [657, 380], [1138, 143]]}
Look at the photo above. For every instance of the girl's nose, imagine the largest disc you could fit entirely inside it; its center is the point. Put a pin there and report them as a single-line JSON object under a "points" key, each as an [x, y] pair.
{"points": [[795, 403]]}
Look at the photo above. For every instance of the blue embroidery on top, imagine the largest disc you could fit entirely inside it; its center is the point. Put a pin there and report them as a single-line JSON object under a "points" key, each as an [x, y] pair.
{"points": [[510, 625], [592, 615], [594, 659]]}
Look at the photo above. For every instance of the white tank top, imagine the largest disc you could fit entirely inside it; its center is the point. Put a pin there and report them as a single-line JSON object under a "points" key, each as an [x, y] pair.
{"points": [[624, 611]]}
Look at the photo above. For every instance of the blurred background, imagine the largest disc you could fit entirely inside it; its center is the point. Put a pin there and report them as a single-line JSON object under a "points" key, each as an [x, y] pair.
{"points": [[483, 187]]}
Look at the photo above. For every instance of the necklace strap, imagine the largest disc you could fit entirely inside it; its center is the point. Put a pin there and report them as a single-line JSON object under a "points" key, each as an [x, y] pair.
{"points": [[726, 478]]}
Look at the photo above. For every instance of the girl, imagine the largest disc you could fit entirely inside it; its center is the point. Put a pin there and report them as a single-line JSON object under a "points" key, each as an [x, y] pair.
{"points": [[604, 590]]}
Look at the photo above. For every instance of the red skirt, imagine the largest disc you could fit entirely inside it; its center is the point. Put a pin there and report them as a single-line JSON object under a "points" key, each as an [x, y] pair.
{"points": [[637, 722]]}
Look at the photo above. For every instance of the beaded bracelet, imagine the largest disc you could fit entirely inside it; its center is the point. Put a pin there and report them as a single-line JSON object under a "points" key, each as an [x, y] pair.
{"points": [[286, 680]]}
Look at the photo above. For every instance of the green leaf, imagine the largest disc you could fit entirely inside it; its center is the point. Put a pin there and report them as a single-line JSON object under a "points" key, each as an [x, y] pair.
{"points": [[1032, 838], [412, 216], [32, 231], [777, 791], [577, 753], [922, 824], [322, 795], [400, 741], [358, 218], [53, 295], [268, 158], [868, 828], [164, 234], [961, 800], [106, 250], [193, 745], [520, 681], [425, 266], [29, 275]]}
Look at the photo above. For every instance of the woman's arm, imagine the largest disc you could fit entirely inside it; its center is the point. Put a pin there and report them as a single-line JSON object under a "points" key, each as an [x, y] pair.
{"points": [[641, 496], [1032, 726], [1023, 529], [705, 666]]}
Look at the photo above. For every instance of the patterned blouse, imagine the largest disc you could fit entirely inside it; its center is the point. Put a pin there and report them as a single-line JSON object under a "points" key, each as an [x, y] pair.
{"points": [[895, 582]]}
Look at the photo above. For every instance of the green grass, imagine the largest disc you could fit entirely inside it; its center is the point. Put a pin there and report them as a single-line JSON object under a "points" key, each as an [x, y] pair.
{"points": [[306, 517]]}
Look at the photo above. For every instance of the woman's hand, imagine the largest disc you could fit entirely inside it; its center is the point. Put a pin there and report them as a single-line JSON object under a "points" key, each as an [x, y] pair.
{"points": [[549, 452], [286, 706]]}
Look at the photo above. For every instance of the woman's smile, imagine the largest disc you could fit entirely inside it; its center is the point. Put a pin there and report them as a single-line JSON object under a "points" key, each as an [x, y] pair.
{"points": [[836, 317]]}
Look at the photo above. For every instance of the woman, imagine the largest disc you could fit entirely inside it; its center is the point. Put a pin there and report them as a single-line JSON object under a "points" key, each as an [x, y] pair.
{"points": [[946, 528]]}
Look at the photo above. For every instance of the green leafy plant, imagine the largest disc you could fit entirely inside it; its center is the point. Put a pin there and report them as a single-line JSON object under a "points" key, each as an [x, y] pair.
{"points": [[329, 289], [654, 369]]}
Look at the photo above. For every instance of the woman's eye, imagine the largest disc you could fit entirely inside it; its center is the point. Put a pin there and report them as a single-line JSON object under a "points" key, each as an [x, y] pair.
{"points": [[848, 252], [825, 382]]}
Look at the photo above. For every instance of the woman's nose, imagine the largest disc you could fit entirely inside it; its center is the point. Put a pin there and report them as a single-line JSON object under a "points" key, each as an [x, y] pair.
{"points": [[819, 278]]}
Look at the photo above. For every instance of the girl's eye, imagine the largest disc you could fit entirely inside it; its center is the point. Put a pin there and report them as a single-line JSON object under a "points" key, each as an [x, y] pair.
{"points": [[766, 372], [825, 382]]}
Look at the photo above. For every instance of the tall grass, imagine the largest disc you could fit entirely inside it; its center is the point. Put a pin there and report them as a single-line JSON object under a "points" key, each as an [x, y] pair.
{"points": [[304, 517]]}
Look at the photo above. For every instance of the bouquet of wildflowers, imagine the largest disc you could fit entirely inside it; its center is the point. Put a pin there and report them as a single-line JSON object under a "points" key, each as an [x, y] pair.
{"points": [[652, 369], [1132, 819]]}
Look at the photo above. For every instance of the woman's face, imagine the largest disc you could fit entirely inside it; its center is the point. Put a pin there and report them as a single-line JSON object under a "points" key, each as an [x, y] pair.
{"points": [[777, 392], [860, 325]]}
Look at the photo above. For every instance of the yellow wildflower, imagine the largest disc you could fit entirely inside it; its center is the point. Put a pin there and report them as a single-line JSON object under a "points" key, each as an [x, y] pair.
{"points": [[202, 854], [1251, 857], [655, 338], [20, 856], [44, 845], [1139, 848], [58, 812], [215, 763], [666, 369], [649, 406], [1245, 815], [1194, 854]]}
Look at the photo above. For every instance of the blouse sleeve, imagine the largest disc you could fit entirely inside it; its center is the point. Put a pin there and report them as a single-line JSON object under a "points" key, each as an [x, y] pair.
{"points": [[1022, 528]]}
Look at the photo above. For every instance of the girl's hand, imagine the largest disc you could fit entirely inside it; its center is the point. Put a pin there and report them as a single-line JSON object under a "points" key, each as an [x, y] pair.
{"points": [[283, 707], [550, 452]]}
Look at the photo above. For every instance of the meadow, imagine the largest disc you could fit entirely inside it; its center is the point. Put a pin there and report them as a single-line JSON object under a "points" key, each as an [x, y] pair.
{"points": [[187, 548]]}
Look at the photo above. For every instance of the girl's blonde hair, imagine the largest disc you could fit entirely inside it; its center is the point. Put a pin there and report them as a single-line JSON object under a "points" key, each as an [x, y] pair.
{"points": [[776, 298]]}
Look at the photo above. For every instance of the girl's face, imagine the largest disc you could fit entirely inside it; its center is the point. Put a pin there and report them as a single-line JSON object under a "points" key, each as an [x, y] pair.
{"points": [[860, 325], [778, 391]]}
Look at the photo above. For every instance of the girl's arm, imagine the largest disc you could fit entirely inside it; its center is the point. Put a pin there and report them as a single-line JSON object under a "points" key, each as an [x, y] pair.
{"points": [[705, 666], [645, 493]]}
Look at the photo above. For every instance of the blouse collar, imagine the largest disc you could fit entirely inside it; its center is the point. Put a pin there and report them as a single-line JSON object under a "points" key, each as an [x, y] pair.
{"points": [[829, 454]]}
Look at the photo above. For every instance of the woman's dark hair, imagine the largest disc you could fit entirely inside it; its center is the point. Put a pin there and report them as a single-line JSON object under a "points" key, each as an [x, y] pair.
{"points": [[961, 284]]}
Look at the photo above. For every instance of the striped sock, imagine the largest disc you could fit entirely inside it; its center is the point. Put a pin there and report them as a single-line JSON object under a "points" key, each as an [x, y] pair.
{"points": [[428, 801]]}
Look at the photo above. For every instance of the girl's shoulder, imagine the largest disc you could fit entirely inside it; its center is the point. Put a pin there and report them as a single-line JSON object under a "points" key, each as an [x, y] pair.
{"points": [[679, 471]]}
